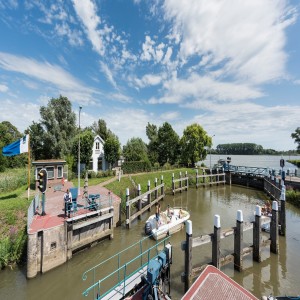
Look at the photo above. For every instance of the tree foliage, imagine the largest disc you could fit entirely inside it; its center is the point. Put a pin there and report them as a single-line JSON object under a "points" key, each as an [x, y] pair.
{"points": [[192, 144], [152, 134], [100, 128], [296, 136], [135, 150], [167, 144], [112, 150], [240, 148]]}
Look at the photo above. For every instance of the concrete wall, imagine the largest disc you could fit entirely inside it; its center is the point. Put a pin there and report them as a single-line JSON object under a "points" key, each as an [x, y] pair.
{"points": [[52, 247]]}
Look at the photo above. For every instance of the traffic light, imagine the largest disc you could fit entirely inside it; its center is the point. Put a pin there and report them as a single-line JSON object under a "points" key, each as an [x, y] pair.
{"points": [[42, 180]]}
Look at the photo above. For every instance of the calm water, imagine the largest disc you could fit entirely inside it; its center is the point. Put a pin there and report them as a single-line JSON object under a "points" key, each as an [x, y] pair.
{"points": [[277, 274]]}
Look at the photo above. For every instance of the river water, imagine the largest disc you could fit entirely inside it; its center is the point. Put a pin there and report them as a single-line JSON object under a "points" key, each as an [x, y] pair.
{"points": [[276, 274]]}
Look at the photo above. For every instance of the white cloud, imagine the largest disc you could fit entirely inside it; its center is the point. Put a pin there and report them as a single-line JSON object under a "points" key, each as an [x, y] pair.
{"points": [[45, 72], [3, 88], [148, 80], [87, 12], [170, 116], [108, 74]]}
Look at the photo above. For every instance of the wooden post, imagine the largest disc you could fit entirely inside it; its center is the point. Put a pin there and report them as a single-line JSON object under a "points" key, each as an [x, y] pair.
{"points": [[111, 224], [197, 179], [238, 242], [274, 228], [173, 184], [156, 191], [216, 242], [186, 246], [187, 181], [139, 201], [282, 212], [218, 177], [149, 196], [161, 182], [257, 235], [127, 209], [210, 177], [180, 182]]}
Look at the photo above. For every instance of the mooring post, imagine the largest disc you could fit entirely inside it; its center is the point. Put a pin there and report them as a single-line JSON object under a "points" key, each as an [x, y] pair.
{"points": [[186, 246], [274, 228], [238, 242], [156, 191], [257, 235], [139, 201], [173, 184], [210, 177], [216, 242], [149, 196], [180, 182], [162, 187], [187, 181], [127, 209], [218, 177], [197, 179], [282, 211]]}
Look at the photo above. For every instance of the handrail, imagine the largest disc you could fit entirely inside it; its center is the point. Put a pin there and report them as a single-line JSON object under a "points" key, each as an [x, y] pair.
{"points": [[31, 210], [123, 268]]}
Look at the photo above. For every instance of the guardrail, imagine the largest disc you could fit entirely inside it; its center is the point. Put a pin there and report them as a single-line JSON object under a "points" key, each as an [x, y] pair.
{"points": [[32, 210]]}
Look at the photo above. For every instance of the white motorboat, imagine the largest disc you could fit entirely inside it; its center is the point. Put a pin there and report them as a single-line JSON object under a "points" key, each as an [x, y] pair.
{"points": [[169, 222]]}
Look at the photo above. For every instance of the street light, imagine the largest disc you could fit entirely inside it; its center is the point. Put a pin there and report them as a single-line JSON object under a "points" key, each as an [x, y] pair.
{"points": [[78, 192]]}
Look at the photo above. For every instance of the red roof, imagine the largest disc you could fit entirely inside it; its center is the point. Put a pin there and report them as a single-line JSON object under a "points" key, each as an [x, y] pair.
{"points": [[214, 284]]}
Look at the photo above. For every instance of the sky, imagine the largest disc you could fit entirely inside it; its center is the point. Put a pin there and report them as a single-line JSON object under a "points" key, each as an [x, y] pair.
{"points": [[231, 66]]}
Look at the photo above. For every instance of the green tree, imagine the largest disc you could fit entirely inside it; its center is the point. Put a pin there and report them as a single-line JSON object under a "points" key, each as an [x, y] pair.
{"points": [[192, 144], [152, 134], [100, 128], [135, 150], [296, 136], [86, 147], [59, 123], [112, 150], [167, 144]]}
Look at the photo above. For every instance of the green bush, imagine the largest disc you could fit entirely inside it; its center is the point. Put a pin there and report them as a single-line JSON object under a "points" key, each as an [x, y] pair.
{"points": [[131, 167], [293, 197], [295, 162], [12, 179]]}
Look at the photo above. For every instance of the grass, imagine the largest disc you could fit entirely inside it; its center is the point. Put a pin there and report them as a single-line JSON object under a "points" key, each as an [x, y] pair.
{"points": [[92, 181]]}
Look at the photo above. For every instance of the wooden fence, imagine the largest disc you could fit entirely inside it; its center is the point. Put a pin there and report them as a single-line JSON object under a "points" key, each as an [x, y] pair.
{"points": [[208, 177], [143, 202], [180, 184]]}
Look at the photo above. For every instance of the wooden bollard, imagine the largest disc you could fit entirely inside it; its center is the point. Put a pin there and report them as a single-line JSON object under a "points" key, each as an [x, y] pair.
{"points": [[257, 235], [187, 181], [186, 246], [238, 242], [274, 228], [149, 196], [161, 182], [216, 242], [180, 182], [197, 179], [282, 212], [139, 201], [127, 209], [156, 191], [173, 184]]}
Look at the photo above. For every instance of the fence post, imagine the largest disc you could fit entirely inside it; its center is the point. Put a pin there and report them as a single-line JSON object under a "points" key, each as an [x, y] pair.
{"points": [[216, 242], [282, 212], [180, 182], [257, 235], [274, 228], [173, 184], [238, 242], [197, 179], [210, 179], [156, 191], [186, 246], [149, 196], [187, 181], [127, 209], [161, 182], [139, 201]]}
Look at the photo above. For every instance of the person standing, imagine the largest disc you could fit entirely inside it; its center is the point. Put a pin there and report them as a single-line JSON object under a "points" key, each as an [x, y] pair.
{"points": [[68, 202]]}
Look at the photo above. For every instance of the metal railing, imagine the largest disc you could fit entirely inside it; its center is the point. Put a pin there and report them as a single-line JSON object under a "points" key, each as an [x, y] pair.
{"points": [[122, 271], [32, 210]]}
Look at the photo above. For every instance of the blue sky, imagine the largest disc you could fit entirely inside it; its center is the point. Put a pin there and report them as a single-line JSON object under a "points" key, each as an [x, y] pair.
{"points": [[231, 66]]}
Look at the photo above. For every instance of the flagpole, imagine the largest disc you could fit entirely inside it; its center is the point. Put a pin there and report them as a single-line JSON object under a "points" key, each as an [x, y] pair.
{"points": [[28, 190]]}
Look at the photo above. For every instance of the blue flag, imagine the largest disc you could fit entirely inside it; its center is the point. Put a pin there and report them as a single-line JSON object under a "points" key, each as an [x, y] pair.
{"points": [[18, 147]]}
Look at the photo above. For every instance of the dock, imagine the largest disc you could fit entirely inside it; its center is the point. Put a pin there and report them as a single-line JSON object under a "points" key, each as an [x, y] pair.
{"points": [[214, 284]]}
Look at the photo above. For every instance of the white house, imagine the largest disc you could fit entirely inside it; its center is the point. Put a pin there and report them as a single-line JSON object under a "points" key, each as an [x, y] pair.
{"points": [[98, 161]]}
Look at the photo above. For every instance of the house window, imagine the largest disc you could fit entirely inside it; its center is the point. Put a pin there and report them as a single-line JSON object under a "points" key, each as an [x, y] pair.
{"points": [[60, 171], [50, 172], [97, 145]]}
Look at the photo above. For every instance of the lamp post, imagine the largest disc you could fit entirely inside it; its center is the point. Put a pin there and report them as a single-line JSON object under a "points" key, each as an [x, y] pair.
{"points": [[78, 192]]}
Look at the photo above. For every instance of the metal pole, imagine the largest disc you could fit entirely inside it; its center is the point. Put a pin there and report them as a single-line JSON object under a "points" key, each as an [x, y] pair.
{"points": [[80, 107]]}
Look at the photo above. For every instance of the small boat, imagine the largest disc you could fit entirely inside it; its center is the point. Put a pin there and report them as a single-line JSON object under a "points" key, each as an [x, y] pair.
{"points": [[281, 298], [169, 222]]}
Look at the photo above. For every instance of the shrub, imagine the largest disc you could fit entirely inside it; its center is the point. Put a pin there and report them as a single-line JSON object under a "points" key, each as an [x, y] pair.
{"points": [[130, 167], [293, 197]]}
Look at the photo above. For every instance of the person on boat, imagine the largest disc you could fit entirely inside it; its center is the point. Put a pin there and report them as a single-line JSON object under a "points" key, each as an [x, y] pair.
{"points": [[180, 213], [157, 212], [68, 202]]}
